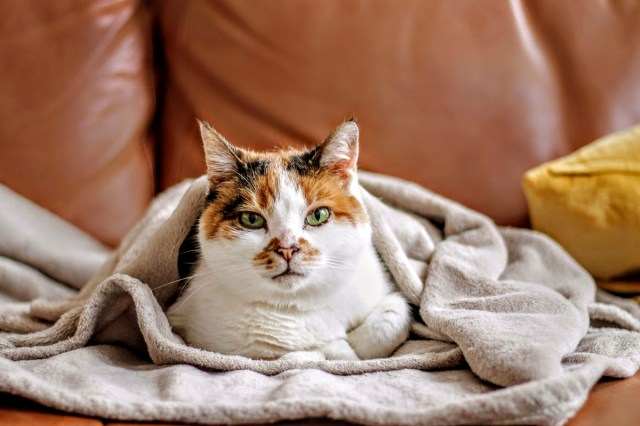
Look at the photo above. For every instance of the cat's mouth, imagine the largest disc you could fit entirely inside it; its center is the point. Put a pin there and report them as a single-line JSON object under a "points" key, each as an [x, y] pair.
{"points": [[288, 273]]}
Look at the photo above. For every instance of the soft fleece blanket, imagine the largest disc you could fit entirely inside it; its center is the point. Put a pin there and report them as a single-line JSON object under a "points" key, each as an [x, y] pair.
{"points": [[508, 328]]}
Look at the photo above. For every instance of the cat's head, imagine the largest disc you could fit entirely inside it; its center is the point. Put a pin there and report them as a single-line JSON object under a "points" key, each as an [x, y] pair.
{"points": [[283, 226]]}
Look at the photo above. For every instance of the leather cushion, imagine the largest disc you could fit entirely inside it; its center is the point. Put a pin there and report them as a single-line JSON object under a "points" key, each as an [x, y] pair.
{"points": [[75, 103]]}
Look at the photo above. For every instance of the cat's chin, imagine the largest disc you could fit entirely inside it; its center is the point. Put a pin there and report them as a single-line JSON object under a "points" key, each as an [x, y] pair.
{"points": [[289, 280], [287, 273]]}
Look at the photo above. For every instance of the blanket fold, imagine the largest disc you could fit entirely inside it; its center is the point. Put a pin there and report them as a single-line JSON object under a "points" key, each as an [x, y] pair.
{"points": [[498, 307]]}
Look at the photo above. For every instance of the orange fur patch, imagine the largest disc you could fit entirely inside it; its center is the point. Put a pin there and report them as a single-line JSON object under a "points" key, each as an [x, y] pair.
{"points": [[266, 257], [213, 222], [328, 190], [219, 221], [307, 251], [267, 188]]}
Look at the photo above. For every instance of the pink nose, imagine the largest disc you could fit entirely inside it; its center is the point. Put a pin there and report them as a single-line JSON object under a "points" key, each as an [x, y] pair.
{"points": [[287, 252]]}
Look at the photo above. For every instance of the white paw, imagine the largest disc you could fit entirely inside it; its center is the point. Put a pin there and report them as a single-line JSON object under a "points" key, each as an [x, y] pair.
{"points": [[383, 330], [339, 349]]}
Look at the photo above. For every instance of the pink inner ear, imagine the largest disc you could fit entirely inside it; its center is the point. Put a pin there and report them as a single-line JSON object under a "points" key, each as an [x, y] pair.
{"points": [[340, 151], [343, 168]]}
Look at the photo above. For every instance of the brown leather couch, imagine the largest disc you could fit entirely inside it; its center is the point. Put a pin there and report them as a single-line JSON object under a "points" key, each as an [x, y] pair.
{"points": [[98, 98]]}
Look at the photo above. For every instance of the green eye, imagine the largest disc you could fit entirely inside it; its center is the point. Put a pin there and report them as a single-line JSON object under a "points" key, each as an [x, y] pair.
{"points": [[251, 220], [318, 216]]}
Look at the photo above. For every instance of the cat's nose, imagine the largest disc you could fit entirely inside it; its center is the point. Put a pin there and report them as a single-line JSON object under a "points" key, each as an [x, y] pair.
{"points": [[287, 252]]}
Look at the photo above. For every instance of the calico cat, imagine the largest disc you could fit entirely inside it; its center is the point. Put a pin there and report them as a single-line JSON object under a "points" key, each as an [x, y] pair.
{"points": [[287, 260]]}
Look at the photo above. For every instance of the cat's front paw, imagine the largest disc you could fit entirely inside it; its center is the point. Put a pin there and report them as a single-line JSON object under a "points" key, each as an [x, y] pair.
{"points": [[339, 350], [384, 329]]}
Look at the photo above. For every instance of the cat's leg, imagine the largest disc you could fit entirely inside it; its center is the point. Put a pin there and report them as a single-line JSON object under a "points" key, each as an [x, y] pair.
{"points": [[339, 349], [383, 330]]}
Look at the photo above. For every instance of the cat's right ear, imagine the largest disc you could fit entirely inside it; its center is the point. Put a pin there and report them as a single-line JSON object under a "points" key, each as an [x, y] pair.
{"points": [[339, 152], [223, 159]]}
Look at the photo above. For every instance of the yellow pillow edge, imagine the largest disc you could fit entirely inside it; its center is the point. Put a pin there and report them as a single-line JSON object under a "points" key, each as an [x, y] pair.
{"points": [[586, 167], [603, 199], [617, 152]]}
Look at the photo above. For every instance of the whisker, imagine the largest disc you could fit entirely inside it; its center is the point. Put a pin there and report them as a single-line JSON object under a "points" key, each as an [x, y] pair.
{"points": [[201, 272], [189, 251], [191, 295]]}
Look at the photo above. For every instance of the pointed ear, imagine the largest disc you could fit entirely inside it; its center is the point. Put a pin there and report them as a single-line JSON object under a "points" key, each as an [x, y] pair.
{"points": [[339, 152], [223, 159]]}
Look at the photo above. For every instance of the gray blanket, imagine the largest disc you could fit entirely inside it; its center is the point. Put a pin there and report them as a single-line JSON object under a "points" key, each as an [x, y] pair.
{"points": [[508, 330]]}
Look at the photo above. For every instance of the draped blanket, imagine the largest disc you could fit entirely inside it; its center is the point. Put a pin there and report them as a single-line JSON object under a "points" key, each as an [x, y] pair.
{"points": [[508, 328]]}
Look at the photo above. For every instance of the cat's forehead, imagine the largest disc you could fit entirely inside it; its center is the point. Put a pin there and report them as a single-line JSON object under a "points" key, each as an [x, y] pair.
{"points": [[269, 174], [261, 179], [286, 160]]}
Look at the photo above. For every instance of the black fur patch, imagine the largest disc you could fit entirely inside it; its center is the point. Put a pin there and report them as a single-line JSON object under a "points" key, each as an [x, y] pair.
{"points": [[230, 210], [211, 196], [249, 173], [256, 168], [187, 260], [304, 164]]}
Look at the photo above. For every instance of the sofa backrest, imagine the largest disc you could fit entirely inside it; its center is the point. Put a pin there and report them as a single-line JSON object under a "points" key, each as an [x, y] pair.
{"points": [[459, 96]]}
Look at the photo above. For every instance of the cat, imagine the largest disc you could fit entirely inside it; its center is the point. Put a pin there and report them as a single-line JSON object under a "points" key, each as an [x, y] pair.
{"points": [[287, 263]]}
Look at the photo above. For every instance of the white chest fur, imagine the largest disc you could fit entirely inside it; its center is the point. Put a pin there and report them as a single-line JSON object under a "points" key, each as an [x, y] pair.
{"points": [[210, 317]]}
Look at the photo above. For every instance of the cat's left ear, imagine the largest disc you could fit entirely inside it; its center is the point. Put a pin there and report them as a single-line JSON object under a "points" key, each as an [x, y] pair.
{"points": [[339, 152], [223, 159]]}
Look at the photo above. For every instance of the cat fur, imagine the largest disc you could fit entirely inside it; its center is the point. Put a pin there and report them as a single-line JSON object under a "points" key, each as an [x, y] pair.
{"points": [[290, 286]]}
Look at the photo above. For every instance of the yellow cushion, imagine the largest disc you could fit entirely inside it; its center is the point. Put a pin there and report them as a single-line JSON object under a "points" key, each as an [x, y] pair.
{"points": [[589, 202]]}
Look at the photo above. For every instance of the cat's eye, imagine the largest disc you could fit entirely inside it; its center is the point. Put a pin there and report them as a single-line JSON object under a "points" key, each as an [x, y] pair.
{"points": [[318, 216], [251, 220]]}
